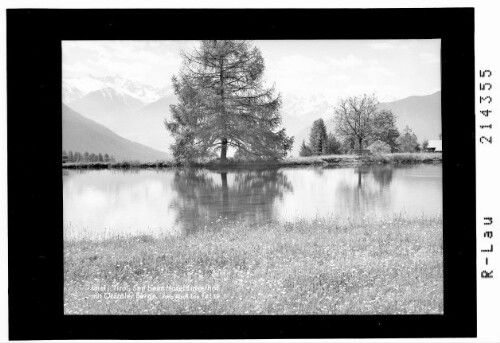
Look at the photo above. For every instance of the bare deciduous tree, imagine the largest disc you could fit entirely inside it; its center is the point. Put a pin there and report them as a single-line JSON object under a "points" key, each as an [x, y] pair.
{"points": [[358, 118]]}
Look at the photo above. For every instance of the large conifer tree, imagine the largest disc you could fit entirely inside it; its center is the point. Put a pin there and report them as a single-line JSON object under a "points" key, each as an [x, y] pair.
{"points": [[317, 138], [223, 102]]}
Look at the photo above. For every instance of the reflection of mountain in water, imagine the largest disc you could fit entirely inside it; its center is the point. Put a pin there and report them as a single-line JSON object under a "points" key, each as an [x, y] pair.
{"points": [[246, 196], [368, 191]]}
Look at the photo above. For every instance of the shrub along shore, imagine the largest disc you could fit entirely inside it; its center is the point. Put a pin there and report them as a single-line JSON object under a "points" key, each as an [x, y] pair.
{"points": [[321, 160], [376, 266]]}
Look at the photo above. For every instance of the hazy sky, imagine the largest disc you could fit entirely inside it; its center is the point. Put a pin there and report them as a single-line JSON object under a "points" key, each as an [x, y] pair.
{"points": [[392, 69]]}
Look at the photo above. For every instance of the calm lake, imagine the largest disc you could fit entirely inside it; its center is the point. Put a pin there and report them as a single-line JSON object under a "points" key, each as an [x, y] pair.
{"points": [[106, 203]]}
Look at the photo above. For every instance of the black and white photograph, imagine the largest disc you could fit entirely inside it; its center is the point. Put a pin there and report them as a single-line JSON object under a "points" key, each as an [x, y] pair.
{"points": [[252, 177], [249, 173]]}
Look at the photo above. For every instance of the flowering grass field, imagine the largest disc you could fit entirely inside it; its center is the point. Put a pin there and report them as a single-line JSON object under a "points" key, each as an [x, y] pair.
{"points": [[389, 266]]}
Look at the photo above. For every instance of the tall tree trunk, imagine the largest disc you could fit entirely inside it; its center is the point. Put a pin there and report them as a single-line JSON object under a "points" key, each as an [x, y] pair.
{"points": [[223, 150]]}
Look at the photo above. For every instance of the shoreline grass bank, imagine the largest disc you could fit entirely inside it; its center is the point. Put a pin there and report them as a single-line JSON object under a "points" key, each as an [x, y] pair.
{"points": [[324, 160], [387, 266]]}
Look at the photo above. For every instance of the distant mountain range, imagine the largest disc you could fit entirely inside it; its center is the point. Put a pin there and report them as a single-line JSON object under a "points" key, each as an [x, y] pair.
{"points": [[137, 112], [76, 87], [421, 113], [81, 134], [128, 116], [106, 105]]}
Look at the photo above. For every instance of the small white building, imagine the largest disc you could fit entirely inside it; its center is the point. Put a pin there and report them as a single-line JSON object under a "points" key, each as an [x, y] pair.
{"points": [[435, 145]]}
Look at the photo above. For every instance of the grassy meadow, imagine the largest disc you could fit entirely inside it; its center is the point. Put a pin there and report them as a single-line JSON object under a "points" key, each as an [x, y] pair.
{"points": [[392, 158], [383, 266]]}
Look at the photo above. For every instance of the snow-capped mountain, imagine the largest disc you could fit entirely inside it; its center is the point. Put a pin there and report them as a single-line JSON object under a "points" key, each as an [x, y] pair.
{"points": [[299, 106], [106, 102], [111, 108], [297, 111], [128, 116], [72, 87], [70, 93]]}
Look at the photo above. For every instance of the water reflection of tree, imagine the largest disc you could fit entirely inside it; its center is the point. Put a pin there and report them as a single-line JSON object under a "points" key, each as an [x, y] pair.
{"points": [[247, 196], [368, 192], [382, 175]]}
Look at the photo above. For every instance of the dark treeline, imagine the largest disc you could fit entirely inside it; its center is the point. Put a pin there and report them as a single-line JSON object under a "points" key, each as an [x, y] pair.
{"points": [[86, 157]]}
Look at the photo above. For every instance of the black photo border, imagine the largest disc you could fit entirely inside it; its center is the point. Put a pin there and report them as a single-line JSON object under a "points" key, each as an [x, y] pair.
{"points": [[35, 177]]}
